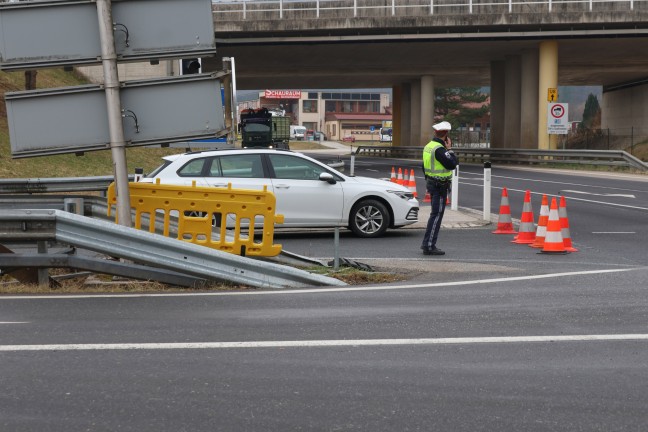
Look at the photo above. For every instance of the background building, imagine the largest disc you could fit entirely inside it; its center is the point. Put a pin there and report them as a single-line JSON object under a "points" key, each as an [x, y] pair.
{"points": [[337, 113]]}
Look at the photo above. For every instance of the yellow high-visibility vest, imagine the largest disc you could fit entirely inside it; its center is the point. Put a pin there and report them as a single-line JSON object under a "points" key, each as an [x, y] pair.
{"points": [[434, 169]]}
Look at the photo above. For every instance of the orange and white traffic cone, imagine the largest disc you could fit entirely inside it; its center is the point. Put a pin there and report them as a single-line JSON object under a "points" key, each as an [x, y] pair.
{"points": [[504, 221], [527, 230], [543, 218], [427, 198], [553, 243], [392, 178], [564, 225], [411, 184], [399, 179]]}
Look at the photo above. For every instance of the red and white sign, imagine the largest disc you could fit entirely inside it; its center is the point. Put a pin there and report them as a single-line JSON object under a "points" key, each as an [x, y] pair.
{"points": [[282, 94], [557, 115]]}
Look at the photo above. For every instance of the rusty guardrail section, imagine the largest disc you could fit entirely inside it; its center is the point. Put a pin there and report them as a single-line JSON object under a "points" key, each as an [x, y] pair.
{"points": [[199, 208]]}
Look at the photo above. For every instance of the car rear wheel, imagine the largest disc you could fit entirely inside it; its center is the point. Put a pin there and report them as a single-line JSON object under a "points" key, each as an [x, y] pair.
{"points": [[369, 218]]}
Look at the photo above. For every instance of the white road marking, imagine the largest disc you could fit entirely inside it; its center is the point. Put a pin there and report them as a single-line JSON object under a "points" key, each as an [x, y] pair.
{"points": [[327, 343], [14, 322], [614, 232], [328, 290], [597, 194], [569, 198]]}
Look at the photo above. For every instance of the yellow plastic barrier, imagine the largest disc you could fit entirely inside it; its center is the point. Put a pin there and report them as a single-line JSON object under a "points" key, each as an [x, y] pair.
{"points": [[201, 210]]}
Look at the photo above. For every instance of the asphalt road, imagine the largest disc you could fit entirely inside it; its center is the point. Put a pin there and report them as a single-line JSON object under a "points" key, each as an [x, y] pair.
{"points": [[492, 336]]}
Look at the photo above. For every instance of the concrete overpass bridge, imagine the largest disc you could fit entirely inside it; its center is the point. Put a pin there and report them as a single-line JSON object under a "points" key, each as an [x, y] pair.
{"points": [[518, 48]]}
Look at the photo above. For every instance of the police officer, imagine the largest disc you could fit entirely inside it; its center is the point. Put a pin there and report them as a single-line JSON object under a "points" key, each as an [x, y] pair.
{"points": [[438, 163]]}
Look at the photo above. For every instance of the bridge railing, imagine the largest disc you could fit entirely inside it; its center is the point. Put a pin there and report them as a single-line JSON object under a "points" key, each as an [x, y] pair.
{"points": [[313, 9]]}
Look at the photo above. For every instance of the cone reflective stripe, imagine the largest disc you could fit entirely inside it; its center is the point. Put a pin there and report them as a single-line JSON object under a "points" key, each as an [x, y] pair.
{"points": [[564, 226], [553, 242], [527, 230], [543, 218], [392, 178], [504, 221], [399, 179], [411, 184]]}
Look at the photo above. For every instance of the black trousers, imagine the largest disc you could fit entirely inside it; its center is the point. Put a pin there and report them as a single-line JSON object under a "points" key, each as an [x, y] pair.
{"points": [[438, 197]]}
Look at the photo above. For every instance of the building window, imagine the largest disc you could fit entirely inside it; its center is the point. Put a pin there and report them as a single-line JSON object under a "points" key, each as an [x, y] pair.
{"points": [[310, 106], [312, 96]]}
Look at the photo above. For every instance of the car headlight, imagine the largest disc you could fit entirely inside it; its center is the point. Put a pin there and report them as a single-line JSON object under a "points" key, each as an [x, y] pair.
{"points": [[402, 194]]}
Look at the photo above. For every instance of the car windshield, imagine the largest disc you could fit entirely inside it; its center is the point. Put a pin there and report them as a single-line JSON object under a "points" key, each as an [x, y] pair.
{"points": [[256, 127]]}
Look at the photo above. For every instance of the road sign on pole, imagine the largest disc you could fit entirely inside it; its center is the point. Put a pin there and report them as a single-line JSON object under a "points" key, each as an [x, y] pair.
{"points": [[31, 33], [50, 33], [557, 118], [552, 95], [154, 111]]}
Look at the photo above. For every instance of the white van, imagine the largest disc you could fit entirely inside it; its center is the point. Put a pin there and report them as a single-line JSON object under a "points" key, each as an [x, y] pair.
{"points": [[297, 132]]}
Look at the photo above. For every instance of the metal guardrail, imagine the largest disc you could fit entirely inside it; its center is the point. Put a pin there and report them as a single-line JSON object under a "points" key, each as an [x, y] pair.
{"points": [[610, 158], [56, 184], [152, 250], [285, 9]]}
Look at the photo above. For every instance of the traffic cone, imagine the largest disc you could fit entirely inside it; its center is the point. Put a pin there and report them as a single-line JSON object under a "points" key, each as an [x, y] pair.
{"points": [[399, 179], [564, 225], [504, 221], [411, 184], [392, 178], [553, 243], [526, 232], [543, 218], [427, 198]]}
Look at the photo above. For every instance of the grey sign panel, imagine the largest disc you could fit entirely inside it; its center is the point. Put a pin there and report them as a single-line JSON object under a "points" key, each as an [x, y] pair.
{"points": [[163, 28], [48, 33], [58, 33], [74, 119]]}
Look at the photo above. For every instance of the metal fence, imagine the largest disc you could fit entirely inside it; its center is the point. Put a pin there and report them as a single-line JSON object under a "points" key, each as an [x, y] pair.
{"points": [[289, 9]]}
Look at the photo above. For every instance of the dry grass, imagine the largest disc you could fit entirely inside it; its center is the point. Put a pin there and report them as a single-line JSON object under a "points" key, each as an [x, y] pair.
{"points": [[69, 282]]}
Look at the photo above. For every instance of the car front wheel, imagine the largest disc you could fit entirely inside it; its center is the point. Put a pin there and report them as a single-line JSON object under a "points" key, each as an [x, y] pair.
{"points": [[369, 218]]}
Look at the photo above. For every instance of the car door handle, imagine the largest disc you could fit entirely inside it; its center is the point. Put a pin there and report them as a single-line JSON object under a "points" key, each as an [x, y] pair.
{"points": [[282, 186]]}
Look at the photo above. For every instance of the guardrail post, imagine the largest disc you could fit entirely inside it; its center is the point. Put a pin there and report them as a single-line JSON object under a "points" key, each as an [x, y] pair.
{"points": [[487, 190], [454, 204], [336, 249], [43, 273], [355, 8], [352, 164], [281, 9], [431, 7]]}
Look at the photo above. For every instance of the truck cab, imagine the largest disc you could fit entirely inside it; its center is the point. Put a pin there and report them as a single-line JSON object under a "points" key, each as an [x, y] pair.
{"points": [[260, 128]]}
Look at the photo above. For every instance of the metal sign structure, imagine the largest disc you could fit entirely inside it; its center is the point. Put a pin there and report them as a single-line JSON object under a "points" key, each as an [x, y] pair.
{"points": [[154, 111], [40, 34], [557, 118]]}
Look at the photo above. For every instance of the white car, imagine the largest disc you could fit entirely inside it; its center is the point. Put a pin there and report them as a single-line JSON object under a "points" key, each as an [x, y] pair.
{"points": [[308, 193]]}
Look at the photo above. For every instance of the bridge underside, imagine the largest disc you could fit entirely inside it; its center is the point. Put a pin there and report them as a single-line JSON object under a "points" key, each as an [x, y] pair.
{"points": [[606, 49]]}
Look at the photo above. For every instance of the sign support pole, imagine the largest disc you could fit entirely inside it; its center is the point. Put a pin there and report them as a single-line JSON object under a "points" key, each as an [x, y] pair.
{"points": [[113, 104]]}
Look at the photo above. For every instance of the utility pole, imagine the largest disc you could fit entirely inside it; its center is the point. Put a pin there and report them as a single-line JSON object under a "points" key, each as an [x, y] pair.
{"points": [[113, 103]]}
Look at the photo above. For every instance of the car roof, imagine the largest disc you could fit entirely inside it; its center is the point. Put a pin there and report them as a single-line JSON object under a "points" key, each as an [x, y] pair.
{"points": [[208, 153]]}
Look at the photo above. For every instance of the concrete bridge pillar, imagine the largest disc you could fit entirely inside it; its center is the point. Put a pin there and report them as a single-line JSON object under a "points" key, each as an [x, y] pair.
{"points": [[397, 114], [497, 82], [548, 78], [415, 113], [427, 109], [529, 104], [512, 101], [405, 114]]}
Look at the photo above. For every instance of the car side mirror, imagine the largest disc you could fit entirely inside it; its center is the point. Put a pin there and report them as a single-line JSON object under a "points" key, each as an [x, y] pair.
{"points": [[327, 177]]}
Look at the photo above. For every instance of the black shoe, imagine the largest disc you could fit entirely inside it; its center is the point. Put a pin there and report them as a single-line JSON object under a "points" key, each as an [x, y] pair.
{"points": [[434, 251]]}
